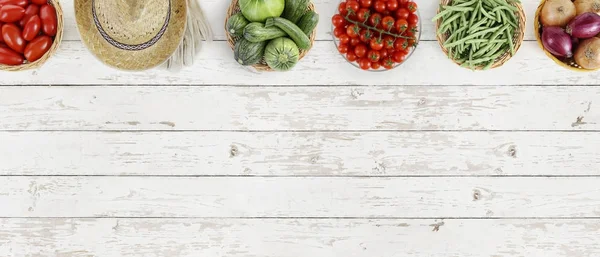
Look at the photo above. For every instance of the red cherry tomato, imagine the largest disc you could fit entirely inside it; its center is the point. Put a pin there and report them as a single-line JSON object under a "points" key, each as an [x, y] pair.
{"points": [[1, 37], [344, 39], [39, 2], [413, 19], [375, 65], [384, 54], [352, 5], [375, 20], [388, 23], [402, 3], [11, 13], [342, 9], [351, 56], [412, 6], [354, 41], [360, 50], [353, 30], [31, 10], [49, 20], [387, 63], [10, 57], [366, 36], [401, 25], [37, 48], [373, 55], [21, 3], [398, 56], [376, 43], [338, 20], [32, 28], [379, 6], [343, 49], [400, 44], [388, 42], [391, 5], [337, 32], [363, 14], [366, 3], [402, 13], [13, 37], [364, 63]]}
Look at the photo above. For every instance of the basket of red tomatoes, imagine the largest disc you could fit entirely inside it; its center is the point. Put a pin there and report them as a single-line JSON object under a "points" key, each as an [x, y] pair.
{"points": [[376, 35], [31, 31]]}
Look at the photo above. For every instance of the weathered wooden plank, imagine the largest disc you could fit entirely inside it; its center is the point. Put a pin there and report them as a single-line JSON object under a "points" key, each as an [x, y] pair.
{"points": [[322, 66], [299, 108], [305, 154], [292, 238], [299, 197], [215, 13]]}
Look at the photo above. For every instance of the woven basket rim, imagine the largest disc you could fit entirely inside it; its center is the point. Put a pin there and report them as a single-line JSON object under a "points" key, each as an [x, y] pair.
{"points": [[233, 9], [517, 40], [55, 44], [537, 26]]}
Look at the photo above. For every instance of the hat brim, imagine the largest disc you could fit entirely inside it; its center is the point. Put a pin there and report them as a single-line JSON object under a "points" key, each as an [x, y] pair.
{"points": [[117, 57]]}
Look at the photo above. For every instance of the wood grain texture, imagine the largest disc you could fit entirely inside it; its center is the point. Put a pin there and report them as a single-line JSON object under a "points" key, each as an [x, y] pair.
{"points": [[299, 108], [215, 13], [292, 238], [300, 154], [322, 66], [298, 197]]}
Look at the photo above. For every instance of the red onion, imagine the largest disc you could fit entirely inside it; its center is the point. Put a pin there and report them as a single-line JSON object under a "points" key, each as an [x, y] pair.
{"points": [[585, 25], [557, 42]]}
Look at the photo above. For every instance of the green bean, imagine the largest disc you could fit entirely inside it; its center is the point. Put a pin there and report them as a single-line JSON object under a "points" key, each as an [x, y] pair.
{"points": [[477, 24], [472, 36], [474, 14], [485, 13], [449, 20], [507, 18], [455, 34], [459, 8], [510, 41]]}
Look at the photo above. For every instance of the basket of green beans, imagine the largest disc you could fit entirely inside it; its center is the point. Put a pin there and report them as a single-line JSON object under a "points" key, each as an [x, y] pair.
{"points": [[480, 34]]}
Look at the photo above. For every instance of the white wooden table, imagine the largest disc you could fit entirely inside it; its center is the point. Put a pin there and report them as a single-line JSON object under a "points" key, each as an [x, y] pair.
{"points": [[426, 160]]}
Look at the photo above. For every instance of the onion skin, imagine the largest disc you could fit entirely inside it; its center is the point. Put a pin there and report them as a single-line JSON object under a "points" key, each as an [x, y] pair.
{"points": [[557, 42], [557, 13], [586, 25], [583, 6], [587, 54]]}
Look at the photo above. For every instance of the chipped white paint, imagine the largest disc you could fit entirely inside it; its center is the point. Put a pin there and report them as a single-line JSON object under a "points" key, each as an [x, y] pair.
{"points": [[299, 197], [300, 108], [321, 145], [293, 238], [300, 153]]}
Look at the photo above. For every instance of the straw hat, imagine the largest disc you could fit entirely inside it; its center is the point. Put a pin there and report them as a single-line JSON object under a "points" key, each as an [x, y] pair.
{"points": [[131, 34]]}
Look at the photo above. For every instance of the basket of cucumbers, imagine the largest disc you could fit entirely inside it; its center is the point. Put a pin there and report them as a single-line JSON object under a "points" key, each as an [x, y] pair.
{"points": [[271, 35]]}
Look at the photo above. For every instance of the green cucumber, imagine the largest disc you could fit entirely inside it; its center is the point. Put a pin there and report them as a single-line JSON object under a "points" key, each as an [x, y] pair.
{"points": [[294, 9], [236, 24], [248, 53], [308, 22], [256, 32], [292, 30]]}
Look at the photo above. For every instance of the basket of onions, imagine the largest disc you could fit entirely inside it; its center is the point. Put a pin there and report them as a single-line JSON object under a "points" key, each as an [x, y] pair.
{"points": [[568, 32]]}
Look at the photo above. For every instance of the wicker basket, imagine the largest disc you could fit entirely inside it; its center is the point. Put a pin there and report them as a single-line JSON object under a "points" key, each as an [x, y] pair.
{"points": [[517, 38], [568, 63], [234, 8], [51, 51]]}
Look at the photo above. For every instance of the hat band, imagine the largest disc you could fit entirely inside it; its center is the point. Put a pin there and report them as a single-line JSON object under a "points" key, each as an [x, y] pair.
{"points": [[129, 47]]}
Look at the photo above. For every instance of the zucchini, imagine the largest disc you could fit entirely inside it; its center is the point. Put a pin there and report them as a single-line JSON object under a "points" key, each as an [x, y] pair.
{"points": [[248, 53], [294, 9], [256, 32], [308, 22], [236, 24], [292, 30], [282, 54]]}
